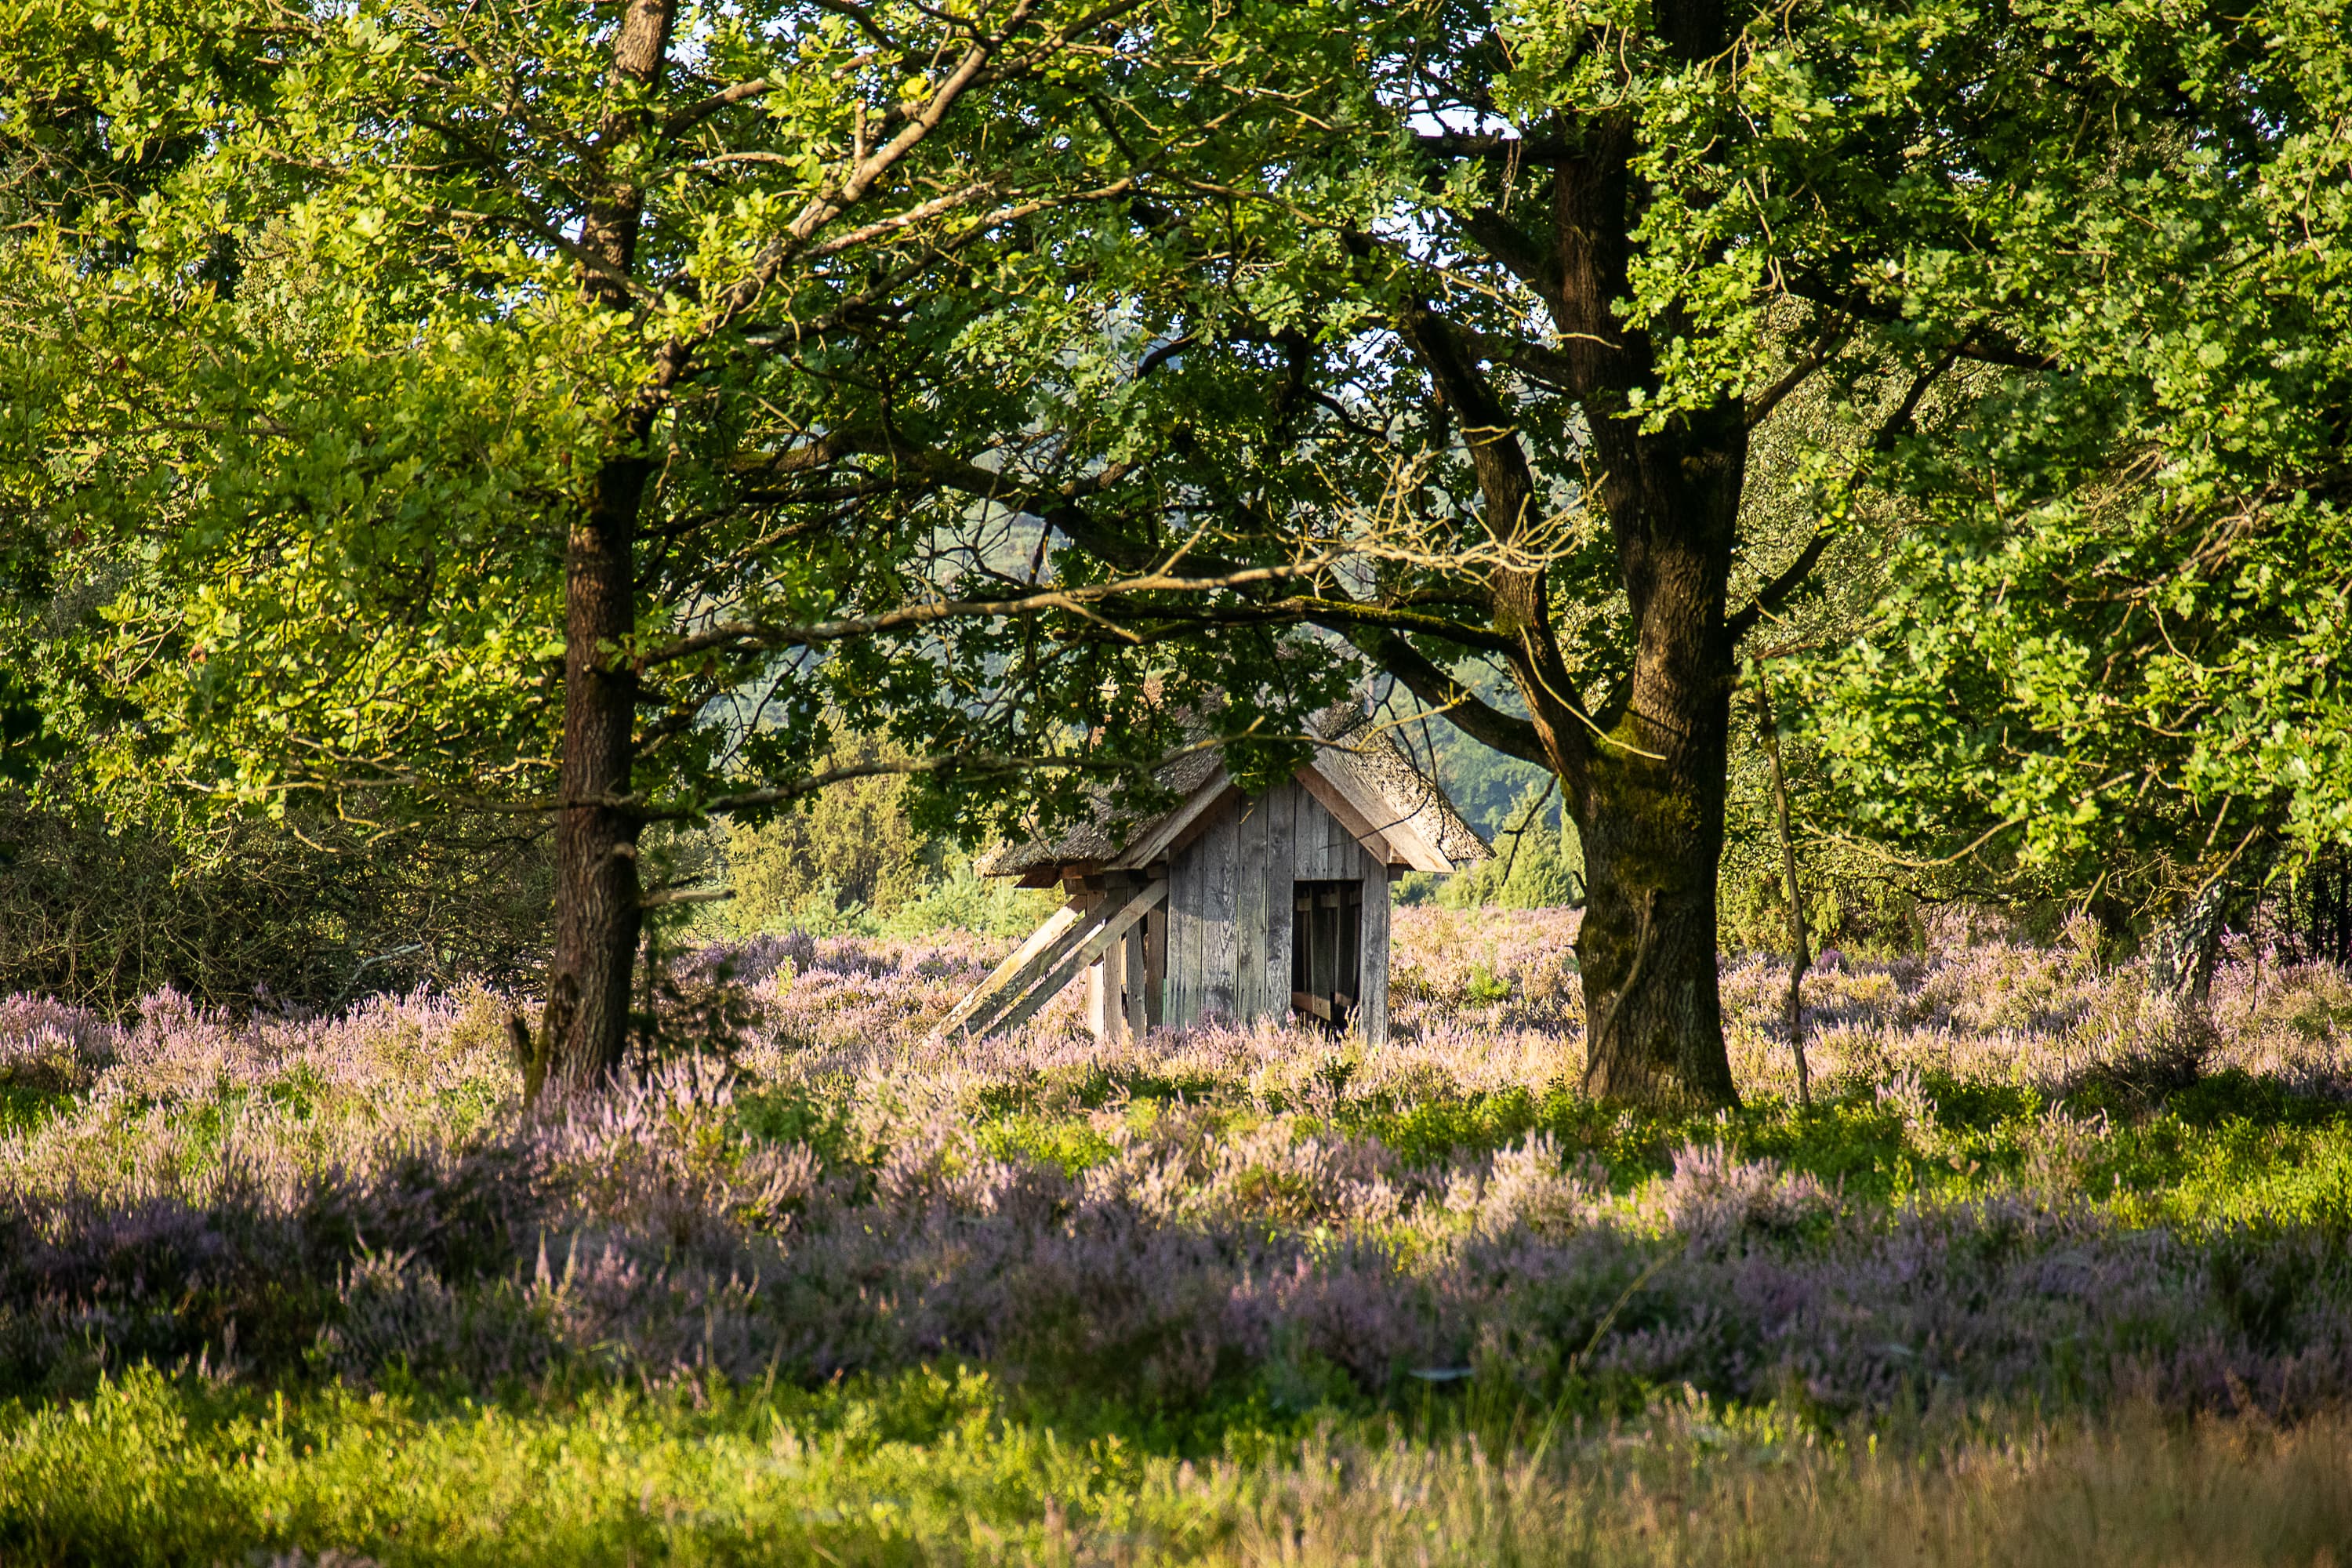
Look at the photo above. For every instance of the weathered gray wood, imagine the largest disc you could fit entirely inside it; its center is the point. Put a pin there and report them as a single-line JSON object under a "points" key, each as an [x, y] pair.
{"points": [[1250, 908], [1307, 853], [1134, 967], [1009, 979], [1406, 828], [1155, 966], [1281, 870], [1219, 901], [1347, 813], [1172, 827], [1105, 1013], [1338, 844], [1320, 838], [1185, 875], [1372, 1005], [1119, 917]]}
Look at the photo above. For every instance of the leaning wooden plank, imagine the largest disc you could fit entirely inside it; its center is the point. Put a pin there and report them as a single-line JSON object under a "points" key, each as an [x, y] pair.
{"points": [[1096, 943], [1005, 981]]}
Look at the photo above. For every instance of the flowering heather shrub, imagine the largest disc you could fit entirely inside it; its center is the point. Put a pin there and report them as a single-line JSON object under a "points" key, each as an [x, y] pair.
{"points": [[1990, 1204]]}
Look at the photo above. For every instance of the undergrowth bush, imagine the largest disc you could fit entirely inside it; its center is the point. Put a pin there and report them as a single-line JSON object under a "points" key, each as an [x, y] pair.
{"points": [[104, 908]]}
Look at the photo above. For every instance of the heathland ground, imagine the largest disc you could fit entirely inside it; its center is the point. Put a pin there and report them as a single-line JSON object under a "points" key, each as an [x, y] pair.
{"points": [[2039, 1277]]}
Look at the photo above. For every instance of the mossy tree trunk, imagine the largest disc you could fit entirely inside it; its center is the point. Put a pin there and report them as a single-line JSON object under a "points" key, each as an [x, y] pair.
{"points": [[1648, 792], [1643, 763]]}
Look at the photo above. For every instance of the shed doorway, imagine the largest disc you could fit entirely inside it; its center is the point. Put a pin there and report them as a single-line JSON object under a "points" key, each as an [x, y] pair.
{"points": [[1327, 945]]}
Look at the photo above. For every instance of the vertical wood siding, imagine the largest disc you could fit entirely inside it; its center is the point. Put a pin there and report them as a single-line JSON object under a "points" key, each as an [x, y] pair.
{"points": [[1222, 883], [1229, 918], [1372, 1002], [1186, 893], [1252, 909], [1281, 869]]}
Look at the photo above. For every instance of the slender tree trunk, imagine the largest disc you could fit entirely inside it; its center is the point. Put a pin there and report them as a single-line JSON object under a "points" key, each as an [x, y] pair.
{"points": [[1801, 943], [2183, 948], [598, 913]]}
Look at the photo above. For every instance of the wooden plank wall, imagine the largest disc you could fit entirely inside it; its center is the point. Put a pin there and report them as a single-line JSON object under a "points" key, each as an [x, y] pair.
{"points": [[1184, 895], [1229, 923], [1221, 878], [1372, 1004], [1118, 1004]]}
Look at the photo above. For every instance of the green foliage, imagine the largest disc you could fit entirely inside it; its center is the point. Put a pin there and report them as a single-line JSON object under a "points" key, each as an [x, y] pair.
{"points": [[1538, 864], [852, 846], [963, 901], [2115, 634], [349, 568]]}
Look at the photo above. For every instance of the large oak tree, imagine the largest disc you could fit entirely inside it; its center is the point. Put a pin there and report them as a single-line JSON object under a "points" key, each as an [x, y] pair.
{"points": [[1560, 261]]}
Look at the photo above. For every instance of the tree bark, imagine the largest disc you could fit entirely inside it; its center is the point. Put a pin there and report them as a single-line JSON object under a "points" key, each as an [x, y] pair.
{"points": [[2182, 950], [1642, 769], [598, 915], [1653, 1014], [598, 909], [1651, 787], [1800, 944]]}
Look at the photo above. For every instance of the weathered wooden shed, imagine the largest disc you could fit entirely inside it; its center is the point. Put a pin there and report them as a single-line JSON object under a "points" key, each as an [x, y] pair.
{"points": [[1231, 906]]}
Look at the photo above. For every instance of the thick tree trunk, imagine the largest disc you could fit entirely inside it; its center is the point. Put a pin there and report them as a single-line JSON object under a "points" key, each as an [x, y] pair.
{"points": [[1653, 1015], [1650, 791]]}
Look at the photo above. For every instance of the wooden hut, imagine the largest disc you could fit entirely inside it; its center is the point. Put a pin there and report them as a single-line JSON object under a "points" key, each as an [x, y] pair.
{"points": [[1231, 906]]}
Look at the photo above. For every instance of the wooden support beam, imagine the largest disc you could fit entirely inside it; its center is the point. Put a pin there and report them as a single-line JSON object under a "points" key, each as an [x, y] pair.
{"points": [[1092, 943], [1348, 813], [1368, 813], [1009, 979], [1134, 967], [1164, 834]]}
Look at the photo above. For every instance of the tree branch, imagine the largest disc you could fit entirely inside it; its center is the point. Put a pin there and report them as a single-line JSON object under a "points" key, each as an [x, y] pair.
{"points": [[747, 636]]}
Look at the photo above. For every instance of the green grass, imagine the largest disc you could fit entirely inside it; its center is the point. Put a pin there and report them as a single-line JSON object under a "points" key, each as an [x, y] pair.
{"points": [[933, 1466], [160, 1471], [2231, 1150], [24, 1107]]}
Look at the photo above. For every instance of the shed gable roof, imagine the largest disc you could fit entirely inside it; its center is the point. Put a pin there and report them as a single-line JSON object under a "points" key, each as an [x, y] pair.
{"points": [[1358, 774]]}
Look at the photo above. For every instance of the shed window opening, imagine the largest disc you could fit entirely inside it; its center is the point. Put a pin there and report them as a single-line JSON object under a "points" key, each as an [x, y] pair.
{"points": [[1326, 944]]}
